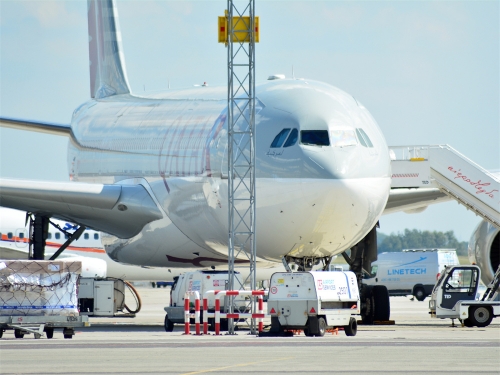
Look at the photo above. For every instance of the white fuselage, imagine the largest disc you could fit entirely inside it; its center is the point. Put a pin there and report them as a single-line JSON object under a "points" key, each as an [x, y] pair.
{"points": [[313, 199]]}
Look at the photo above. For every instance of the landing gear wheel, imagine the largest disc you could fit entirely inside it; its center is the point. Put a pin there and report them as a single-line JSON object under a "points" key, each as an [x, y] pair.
{"points": [[382, 308], [419, 293], [352, 328], [367, 305], [18, 334], [49, 332], [321, 327], [480, 316], [169, 325]]}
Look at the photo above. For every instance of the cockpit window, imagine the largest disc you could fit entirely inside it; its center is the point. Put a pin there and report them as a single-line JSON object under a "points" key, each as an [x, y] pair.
{"points": [[343, 138], [280, 138], [314, 137], [363, 138], [292, 138]]}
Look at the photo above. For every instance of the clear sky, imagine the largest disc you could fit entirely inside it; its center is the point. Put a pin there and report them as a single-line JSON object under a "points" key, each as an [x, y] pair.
{"points": [[428, 71]]}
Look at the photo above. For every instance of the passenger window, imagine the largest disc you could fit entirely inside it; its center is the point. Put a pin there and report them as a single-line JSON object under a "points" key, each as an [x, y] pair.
{"points": [[66, 236], [343, 138], [292, 138], [49, 236], [21, 235], [58, 236], [86, 236], [363, 138], [9, 235], [280, 138], [96, 236], [314, 137]]}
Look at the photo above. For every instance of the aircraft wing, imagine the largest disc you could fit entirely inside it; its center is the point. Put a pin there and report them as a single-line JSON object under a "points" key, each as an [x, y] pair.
{"points": [[120, 210], [413, 200], [41, 127]]}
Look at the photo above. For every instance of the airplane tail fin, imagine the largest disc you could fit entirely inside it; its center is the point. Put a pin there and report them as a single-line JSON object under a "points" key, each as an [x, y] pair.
{"points": [[107, 64]]}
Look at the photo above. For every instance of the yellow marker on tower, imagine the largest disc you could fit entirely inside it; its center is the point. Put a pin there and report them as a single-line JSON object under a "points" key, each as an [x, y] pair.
{"points": [[240, 26]]}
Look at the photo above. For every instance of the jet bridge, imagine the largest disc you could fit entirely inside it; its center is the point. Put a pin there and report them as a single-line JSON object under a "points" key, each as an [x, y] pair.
{"points": [[441, 166]]}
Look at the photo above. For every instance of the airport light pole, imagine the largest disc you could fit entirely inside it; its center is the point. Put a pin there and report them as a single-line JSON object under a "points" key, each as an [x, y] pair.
{"points": [[238, 29]]}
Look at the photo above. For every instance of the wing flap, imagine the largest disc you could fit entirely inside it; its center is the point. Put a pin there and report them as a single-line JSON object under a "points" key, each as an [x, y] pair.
{"points": [[120, 210]]}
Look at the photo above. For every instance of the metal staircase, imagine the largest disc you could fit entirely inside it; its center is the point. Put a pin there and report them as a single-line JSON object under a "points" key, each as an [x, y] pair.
{"points": [[441, 166]]}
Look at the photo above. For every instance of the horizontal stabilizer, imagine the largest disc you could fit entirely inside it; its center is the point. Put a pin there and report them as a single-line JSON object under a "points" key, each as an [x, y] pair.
{"points": [[41, 127], [120, 210]]}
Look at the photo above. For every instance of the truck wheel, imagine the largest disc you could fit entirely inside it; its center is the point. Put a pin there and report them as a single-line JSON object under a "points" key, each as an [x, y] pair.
{"points": [[480, 316], [169, 325], [352, 328], [49, 332], [321, 327], [419, 293], [18, 334], [1, 333], [382, 308]]}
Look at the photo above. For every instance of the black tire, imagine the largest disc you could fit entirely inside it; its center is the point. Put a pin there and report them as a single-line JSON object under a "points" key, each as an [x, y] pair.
{"points": [[18, 334], [1, 333], [169, 325], [382, 305], [419, 293], [352, 328], [480, 316], [321, 327], [307, 332], [49, 332], [68, 336], [367, 305]]}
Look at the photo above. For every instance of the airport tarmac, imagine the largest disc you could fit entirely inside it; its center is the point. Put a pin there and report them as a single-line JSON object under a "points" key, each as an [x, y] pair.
{"points": [[416, 344]]}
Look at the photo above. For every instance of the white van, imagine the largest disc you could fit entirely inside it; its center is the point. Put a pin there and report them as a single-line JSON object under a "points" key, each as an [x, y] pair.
{"points": [[410, 272], [201, 281]]}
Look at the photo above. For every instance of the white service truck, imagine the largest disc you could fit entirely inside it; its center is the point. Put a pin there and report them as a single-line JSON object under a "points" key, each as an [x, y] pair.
{"points": [[455, 297], [200, 281], [410, 272], [313, 302]]}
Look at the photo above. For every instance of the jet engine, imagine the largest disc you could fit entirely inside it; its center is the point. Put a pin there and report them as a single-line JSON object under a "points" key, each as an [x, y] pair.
{"points": [[484, 250]]}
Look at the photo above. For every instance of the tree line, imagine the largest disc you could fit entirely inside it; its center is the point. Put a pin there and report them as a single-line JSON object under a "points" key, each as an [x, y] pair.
{"points": [[416, 239]]}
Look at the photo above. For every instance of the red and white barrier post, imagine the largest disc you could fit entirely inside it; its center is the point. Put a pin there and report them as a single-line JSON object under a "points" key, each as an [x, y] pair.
{"points": [[187, 313], [218, 315]]}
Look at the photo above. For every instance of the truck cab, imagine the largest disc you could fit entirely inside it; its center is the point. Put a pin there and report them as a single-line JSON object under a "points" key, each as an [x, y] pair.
{"points": [[455, 296]]}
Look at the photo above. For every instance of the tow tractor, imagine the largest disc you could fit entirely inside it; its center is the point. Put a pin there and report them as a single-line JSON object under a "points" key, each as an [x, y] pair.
{"points": [[455, 296]]}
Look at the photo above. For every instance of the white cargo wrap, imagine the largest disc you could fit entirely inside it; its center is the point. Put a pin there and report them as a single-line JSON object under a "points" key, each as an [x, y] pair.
{"points": [[313, 301], [43, 288]]}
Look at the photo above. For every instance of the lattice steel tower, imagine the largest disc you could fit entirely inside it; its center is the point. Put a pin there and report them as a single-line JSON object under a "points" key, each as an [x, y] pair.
{"points": [[241, 143]]}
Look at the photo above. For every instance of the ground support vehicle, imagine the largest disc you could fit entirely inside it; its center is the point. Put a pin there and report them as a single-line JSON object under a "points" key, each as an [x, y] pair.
{"points": [[411, 271], [42, 325], [200, 281], [313, 302], [455, 296]]}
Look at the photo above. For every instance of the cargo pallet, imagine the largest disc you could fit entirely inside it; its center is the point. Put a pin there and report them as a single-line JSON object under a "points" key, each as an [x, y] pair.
{"points": [[42, 325]]}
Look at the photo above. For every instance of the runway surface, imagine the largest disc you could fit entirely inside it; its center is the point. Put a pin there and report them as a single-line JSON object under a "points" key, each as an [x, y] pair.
{"points": [[416, 344]]}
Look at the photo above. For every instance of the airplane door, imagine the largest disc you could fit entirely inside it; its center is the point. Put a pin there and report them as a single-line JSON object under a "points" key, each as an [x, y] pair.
{"points": [[21, 238], [460, 285]]}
